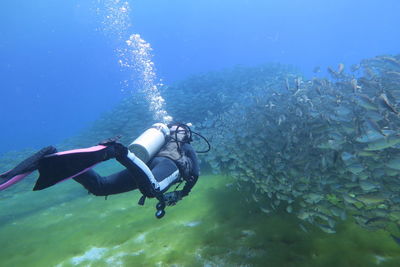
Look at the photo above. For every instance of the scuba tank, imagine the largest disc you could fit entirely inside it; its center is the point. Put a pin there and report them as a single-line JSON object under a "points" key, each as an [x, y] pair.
{"points": [[150, 142]]}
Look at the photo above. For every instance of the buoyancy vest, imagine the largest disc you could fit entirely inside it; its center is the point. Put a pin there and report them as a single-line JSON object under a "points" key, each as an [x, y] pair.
{"points": [[174, 152]]}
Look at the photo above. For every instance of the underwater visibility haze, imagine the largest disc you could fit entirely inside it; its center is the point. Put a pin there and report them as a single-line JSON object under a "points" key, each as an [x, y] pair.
{"points": [[300, 101]]}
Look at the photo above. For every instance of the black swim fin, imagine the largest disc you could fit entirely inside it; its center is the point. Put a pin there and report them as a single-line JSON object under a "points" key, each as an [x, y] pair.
{"points": [[69, 164], [24, 168]]}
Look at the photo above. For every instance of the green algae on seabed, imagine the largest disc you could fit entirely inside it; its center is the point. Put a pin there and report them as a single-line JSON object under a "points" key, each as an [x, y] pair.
{"points": [[215, 226]]}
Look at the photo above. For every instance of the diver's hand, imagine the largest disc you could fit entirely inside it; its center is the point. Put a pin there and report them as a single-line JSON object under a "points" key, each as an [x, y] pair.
{"points": [[114, 149], [171, 198]]}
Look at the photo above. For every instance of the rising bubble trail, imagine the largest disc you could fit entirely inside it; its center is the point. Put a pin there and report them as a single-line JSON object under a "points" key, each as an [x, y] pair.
{"points": [[134, 54]]}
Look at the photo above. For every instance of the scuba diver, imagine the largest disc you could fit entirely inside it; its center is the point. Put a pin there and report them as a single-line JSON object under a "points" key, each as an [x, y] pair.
{"points": [[159, 158]]}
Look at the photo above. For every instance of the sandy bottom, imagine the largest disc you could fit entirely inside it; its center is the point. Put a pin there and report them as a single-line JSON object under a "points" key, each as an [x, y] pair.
{"points": [[214, 226]]}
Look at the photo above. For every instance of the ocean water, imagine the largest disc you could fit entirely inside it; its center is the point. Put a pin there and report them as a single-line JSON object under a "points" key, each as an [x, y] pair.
{"points": [[60, 71], [299, 100]]}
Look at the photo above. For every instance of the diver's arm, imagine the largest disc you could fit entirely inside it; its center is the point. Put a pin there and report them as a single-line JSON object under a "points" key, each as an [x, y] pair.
{"points": [[189, 151], [188, 186], [194, 169]]}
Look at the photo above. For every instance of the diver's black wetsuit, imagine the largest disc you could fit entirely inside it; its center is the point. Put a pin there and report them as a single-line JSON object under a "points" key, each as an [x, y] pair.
{"points": [[125, 180]]}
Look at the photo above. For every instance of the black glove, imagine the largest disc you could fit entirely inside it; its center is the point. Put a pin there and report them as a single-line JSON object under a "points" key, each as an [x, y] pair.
{"points": [[172, 198], [114, 148], [110, 141]]}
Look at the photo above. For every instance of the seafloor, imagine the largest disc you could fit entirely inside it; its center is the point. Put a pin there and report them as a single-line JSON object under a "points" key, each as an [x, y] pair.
{"points": [[215, 226]]}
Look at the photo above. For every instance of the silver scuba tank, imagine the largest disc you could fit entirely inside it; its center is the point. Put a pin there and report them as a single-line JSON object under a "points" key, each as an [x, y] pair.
{"points": [[150, 142]]}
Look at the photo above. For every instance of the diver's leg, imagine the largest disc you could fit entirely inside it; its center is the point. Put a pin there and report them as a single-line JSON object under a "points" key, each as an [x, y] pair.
{"points": [[116, 183], [64, 165]]}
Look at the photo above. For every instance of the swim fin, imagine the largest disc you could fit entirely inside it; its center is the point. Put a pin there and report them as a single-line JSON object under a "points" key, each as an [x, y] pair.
{"points": [[24, 168], [64, 165]]}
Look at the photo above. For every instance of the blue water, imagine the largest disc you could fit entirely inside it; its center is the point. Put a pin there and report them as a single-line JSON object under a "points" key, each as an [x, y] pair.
{"points": [[59, 72]]}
